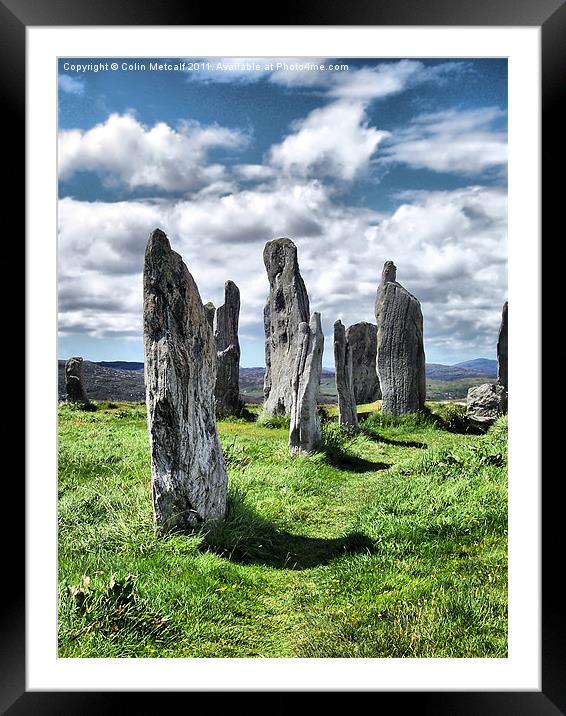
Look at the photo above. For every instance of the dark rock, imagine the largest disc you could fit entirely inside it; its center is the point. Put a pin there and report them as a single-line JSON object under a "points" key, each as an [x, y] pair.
{"points": [[74, 381], [287, 306], [503, 349], [304, 431], [189, 482], [227, 389], [362, 339], [400, 351], [347, 413]]}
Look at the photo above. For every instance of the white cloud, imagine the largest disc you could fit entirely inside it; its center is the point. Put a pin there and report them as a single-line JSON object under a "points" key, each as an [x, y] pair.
{"points": [[462, 141], [333, 141], [124, 150], [344, 81], [450, 249], [369, 83], [71, 85]]}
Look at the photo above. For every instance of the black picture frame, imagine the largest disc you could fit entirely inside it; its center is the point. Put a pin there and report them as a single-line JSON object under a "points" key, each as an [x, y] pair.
{"points": [[550, 16]]}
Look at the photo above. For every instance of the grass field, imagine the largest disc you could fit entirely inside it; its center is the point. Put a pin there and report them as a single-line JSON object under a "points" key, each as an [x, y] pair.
{"points": [[392, 543]]}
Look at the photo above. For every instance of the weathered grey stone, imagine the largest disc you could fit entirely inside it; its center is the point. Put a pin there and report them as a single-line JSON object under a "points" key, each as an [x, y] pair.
{"points": [[502, 349], [287, 306], [486, 402], [210, 309], [227, 389], [304, 430], [74, 384], [189, 482], [347, 413], [400, 352], [362, 339]]}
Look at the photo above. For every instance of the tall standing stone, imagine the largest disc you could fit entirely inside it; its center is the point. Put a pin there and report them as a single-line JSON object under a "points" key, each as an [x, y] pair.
{"points": [[227, 389], [304, 430], [74, 384], [400, 351], [362, 339], [287, 306], [189, 482], [502, 349], [347, 413]]}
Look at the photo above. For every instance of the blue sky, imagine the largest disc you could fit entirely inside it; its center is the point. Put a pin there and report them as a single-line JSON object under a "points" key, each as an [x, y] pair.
{"points": [[378, 159]]}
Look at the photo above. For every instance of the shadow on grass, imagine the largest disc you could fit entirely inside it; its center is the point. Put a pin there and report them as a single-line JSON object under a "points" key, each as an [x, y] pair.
{"points": [[353, 463], [390, 441], [246, 537]]}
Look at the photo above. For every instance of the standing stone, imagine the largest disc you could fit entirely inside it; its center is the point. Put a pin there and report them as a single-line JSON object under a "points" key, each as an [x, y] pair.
{"points": [[188, 473], [400, 351], [347, 413], [362, 339], [287, 306], [76, 392], [304, 430], [486, 402], [227, 390], [210, 309], [502, 350]]}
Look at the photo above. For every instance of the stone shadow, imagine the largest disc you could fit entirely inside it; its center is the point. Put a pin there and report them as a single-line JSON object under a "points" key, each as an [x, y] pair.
{"points": [[397, 443], [353, 463], [246, 537]]}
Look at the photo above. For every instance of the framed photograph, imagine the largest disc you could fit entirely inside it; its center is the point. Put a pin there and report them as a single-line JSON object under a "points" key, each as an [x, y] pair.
{"points": [[398, 133]]}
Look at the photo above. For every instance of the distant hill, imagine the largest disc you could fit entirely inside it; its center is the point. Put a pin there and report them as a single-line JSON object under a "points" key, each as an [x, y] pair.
{"points": [[482, 366], [121, 364], [123, 380], [462, 371]]}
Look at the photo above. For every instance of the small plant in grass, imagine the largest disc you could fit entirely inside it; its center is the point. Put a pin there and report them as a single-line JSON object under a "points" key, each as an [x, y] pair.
{"points": [[235, 454], [336, 442], [274, 421], [498, 432], [453, 416], [422, 419], [112, 609]]}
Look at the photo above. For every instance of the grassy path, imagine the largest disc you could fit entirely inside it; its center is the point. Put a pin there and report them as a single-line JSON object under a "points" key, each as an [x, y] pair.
{"points": [[390, 544]]}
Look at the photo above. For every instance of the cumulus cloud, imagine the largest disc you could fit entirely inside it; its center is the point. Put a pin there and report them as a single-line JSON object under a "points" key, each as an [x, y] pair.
{"points": [[334, 141], [344, 81], [369, 83], [71, 85], [124, 150], [450, 249], [462, 141]]}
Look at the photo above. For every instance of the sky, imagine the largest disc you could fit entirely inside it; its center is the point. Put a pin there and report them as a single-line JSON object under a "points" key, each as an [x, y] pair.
{"points": [[358, 161]]}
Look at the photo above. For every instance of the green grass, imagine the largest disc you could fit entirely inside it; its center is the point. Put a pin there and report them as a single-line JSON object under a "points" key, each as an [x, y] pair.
{"points": [[391, 543]]}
